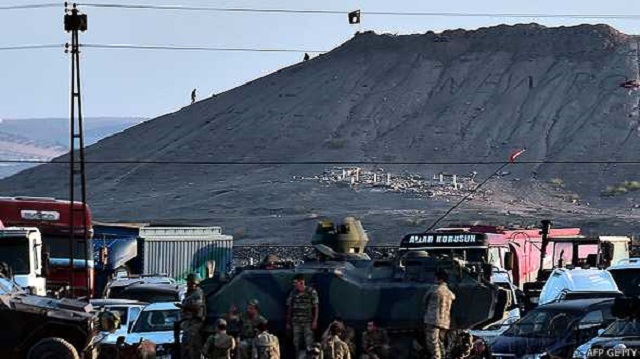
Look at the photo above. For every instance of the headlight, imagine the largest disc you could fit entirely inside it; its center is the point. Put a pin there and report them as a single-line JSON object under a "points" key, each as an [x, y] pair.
{"points": [[534, 356]]}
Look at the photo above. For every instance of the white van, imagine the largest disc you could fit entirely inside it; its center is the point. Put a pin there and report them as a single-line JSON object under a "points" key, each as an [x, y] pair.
{"points": [[565, 283]]}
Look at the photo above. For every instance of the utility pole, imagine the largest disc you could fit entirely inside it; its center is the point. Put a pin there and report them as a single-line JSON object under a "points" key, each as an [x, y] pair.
{"points": [[73, 23]]}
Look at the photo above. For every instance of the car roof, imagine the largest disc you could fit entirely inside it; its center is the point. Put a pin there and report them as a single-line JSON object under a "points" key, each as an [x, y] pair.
{"points": [[586, 280], [123, 282], [161, 306], [576, 304], [115, 301], [627, 263], [166, 288]]}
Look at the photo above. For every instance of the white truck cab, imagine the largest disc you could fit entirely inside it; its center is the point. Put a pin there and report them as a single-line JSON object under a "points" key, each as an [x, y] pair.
{"points": [[565, 283], [21, 250]]}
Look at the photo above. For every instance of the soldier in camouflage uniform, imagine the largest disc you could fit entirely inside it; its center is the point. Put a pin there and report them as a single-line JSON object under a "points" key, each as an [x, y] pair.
{"points": [[348, 335], [192, 315], [375, 342], [247, 322], [437, 316], [265, 345], [333, 347], [302, 313], [221, 344]]}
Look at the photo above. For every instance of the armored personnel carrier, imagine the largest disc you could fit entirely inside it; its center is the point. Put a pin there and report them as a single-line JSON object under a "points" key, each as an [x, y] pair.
{"points": [[360, 289]]}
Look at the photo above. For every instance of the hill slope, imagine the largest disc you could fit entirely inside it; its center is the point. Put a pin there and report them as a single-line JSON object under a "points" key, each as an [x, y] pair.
{"points": [[43, 139], [459, 96]]}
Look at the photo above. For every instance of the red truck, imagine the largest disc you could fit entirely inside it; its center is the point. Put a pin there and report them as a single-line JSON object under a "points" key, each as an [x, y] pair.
{"points": [[520, 247], [53, 218]]}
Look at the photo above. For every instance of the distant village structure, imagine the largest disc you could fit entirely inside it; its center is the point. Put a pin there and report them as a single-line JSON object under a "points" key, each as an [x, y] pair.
{"points": [[440, 184]]}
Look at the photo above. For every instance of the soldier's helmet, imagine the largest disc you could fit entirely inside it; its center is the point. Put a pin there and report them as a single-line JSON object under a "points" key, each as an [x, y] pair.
{"points": [[221, 321], [253, 303], [193, 278]]}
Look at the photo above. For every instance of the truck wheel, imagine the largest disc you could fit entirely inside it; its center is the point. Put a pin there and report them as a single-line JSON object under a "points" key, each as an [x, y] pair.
{"points": [[53, 348]]}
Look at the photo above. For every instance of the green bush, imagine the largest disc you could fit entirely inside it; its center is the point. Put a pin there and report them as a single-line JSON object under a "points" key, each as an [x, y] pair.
{"points": [[336, 143], [557, 182]]}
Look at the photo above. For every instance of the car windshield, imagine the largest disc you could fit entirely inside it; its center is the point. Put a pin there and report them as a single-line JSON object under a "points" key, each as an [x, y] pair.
{"points": [[156, 321], [542, 324], [15, 252], [623, 328], [628, 280]]}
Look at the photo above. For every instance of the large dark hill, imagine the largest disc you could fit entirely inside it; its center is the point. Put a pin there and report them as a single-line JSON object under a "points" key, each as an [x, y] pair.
{"points": [[456, 97]]}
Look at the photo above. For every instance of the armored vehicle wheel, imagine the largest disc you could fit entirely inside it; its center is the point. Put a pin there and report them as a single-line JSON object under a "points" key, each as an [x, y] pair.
{"points": [[53, 348]]}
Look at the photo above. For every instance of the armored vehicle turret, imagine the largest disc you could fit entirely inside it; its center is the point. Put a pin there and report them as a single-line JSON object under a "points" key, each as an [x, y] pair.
{"points": [[344, 242]]}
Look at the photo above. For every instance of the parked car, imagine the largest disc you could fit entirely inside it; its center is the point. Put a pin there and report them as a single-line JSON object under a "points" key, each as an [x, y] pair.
{"points": [[155, 323], [620, 332], [153, 293], [491, 332], [119, 283], [127, 310], [554, 329], [626, 273], [565, 283]]}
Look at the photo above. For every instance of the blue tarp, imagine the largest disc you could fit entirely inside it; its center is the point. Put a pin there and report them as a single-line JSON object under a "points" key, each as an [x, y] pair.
{"points": [[120, 250]]}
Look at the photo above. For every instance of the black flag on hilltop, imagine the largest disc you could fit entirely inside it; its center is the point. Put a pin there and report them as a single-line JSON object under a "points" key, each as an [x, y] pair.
{"points": [[354, 17]]}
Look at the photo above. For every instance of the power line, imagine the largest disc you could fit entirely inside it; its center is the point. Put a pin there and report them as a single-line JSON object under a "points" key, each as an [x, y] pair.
{"points": [[340, 12], [200, 48], [357, 162], [31, 47], [32, 6], [191, 48]]}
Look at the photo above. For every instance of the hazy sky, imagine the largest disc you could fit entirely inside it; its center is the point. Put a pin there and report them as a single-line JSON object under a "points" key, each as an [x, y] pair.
{"points": [[149, 83]]}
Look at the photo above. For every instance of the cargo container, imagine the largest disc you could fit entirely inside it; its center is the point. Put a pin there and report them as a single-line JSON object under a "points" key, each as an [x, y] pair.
{"points": [[177, 251], [140, 248]]}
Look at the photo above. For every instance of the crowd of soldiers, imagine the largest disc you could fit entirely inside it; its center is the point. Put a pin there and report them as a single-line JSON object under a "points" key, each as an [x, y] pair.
{"points": [[249, 338]]}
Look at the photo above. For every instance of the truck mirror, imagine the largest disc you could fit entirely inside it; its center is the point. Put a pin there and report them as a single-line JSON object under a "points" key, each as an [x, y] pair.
{"points": [[45, 264], [508, 260]]}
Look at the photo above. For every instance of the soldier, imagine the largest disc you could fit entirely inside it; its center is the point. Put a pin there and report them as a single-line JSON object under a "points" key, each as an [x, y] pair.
{"points": [[302, 313], [193, 96], [265, 344], [219, 345], [247, 322], [375, 342], [192, 315], [348, 334], [333, 347], [437, 316]]}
